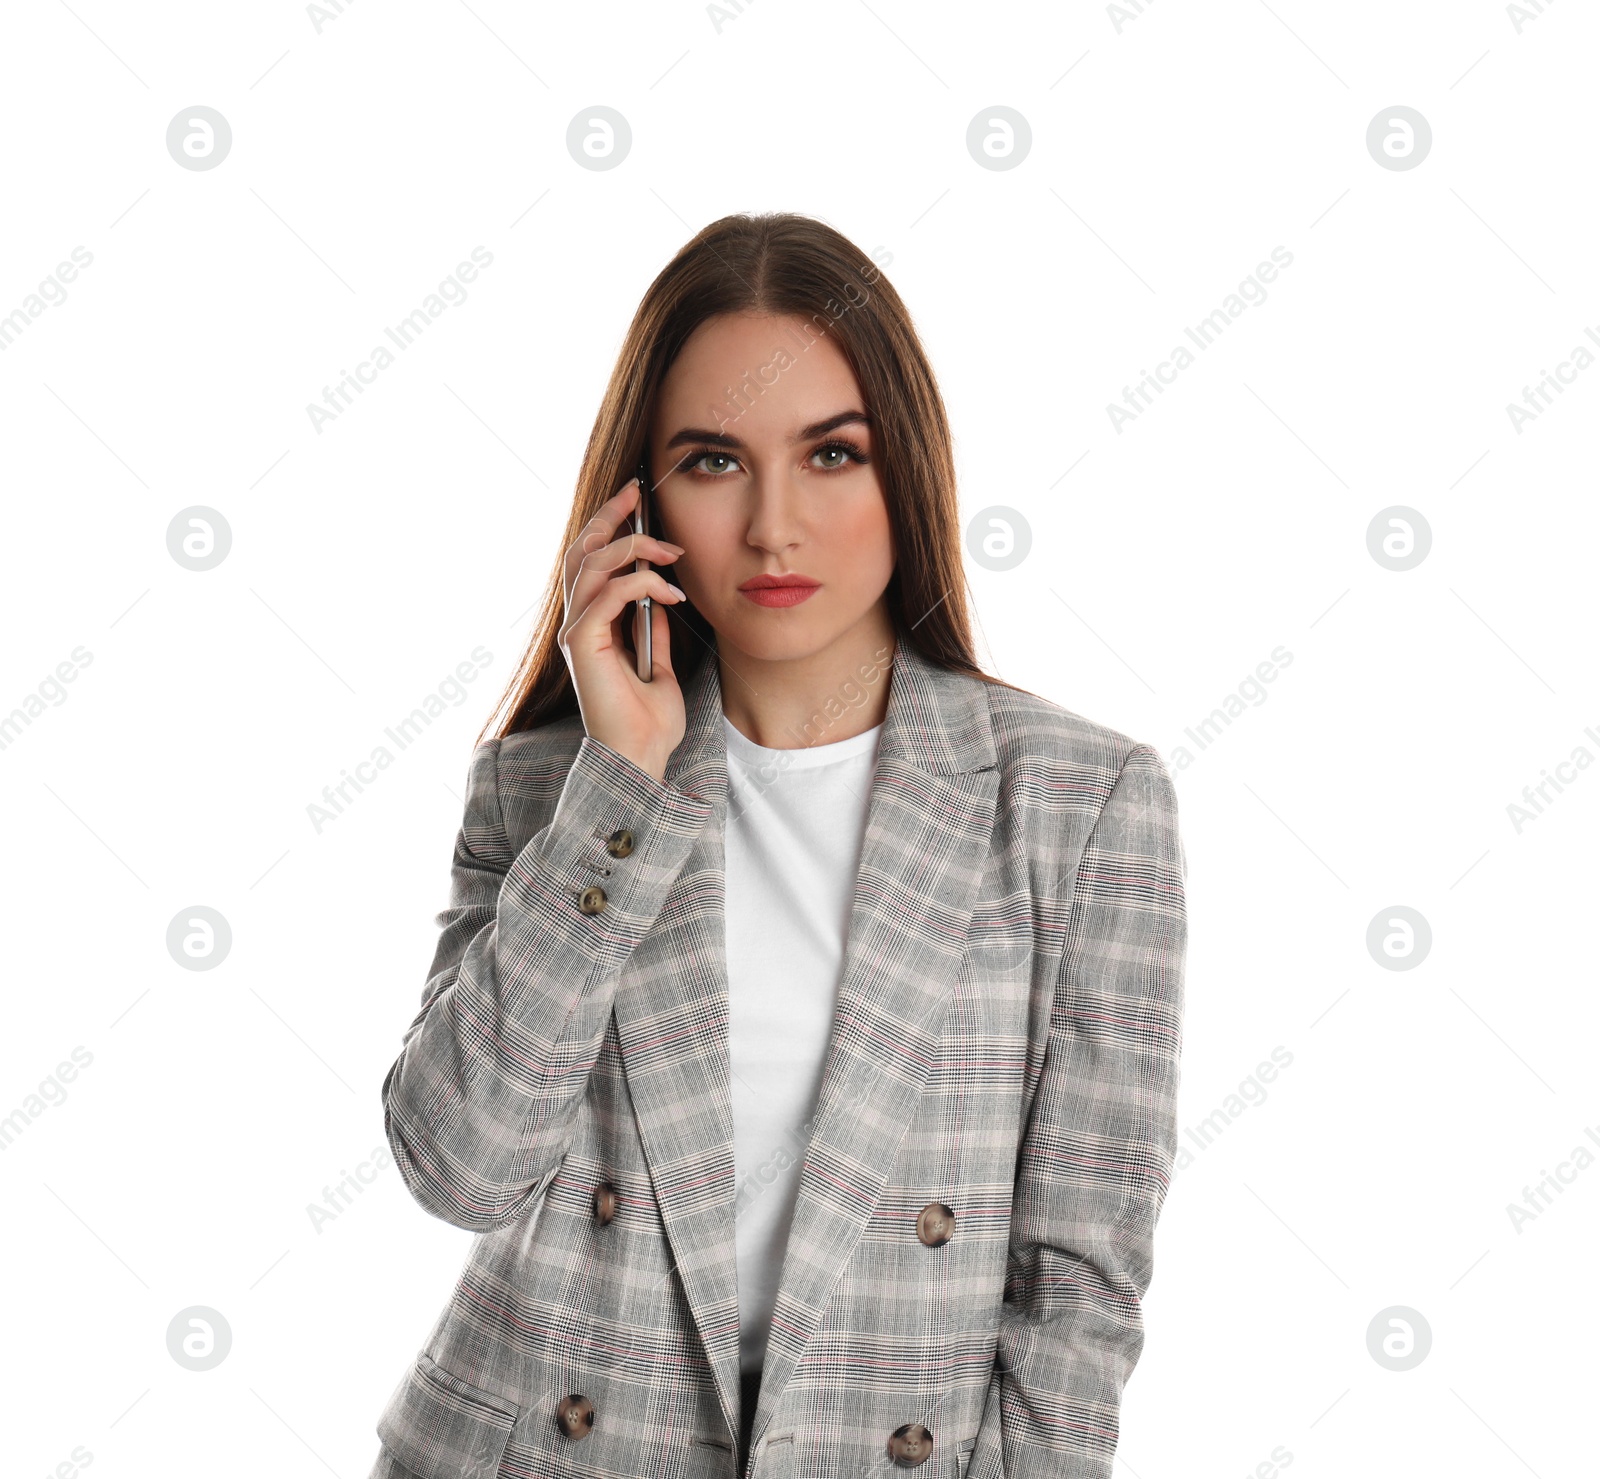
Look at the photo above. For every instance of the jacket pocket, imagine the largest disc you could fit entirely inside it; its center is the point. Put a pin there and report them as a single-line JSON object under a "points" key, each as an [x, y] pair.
{"points": [[776, 1458], [964, 1457], [441, 1427]]}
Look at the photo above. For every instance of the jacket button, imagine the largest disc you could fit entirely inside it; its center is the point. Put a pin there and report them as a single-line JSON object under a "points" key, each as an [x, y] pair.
{"points": [[620, 843], [936, 1224], [575, 1415], [605, 1203], [593, 899], [910, 1444]]}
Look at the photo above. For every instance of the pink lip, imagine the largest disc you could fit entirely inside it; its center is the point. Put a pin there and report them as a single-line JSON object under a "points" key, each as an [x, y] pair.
{"points": [[778, 595]]}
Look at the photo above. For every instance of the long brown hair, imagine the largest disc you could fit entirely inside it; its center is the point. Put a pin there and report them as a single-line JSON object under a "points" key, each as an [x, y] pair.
{"points": [[789, 265]]}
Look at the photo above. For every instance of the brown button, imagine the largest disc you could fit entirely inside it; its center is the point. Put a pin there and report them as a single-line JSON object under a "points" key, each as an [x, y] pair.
{"points": [[575, 1415], [910, 1444], [936, 1224], [593, 899], [620, 843], [605, 1203]]}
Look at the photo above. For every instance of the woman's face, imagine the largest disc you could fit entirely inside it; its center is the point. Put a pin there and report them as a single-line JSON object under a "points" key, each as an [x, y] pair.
{"points": [[762, 461]]}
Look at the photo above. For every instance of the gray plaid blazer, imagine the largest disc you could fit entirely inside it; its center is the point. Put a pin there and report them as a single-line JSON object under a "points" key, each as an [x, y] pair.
{"points": [[990, 1150]]}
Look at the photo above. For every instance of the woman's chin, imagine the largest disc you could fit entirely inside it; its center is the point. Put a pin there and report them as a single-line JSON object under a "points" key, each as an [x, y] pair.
{"points": [[775, 635]]}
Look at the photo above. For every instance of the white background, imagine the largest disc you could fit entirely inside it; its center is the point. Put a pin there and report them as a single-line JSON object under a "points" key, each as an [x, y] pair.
{"points": [[1169, 156]]}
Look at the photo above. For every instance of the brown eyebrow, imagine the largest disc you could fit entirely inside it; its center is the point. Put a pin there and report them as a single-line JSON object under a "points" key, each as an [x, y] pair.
{"points": [[805, 434]]}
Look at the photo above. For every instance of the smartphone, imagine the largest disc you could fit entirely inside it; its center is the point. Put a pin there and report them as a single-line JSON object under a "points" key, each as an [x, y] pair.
{"points": [[644, 610]]}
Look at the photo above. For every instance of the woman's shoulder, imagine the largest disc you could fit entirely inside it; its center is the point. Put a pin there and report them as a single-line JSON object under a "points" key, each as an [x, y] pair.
{"points": [[1042, 749], [1030, 729], [1057, 760]]}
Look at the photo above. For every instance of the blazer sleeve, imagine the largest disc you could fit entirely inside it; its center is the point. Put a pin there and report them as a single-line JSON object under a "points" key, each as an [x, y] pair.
{"points": [[1098, 1149], [480, 1104]]}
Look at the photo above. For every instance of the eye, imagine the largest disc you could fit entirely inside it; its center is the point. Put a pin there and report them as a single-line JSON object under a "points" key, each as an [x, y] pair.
{"points": [[848, 453], [839, 454], [692, 462]]}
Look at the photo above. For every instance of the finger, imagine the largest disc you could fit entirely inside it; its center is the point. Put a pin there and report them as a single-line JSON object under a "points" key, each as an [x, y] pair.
{"points": [[625, 549], [600, 530], [613, 598], [660, 641], [598, 567], [660, 644]]}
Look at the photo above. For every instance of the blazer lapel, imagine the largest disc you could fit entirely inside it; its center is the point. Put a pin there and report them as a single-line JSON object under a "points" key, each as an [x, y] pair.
{"points": [[930, 814], [929, 820]]}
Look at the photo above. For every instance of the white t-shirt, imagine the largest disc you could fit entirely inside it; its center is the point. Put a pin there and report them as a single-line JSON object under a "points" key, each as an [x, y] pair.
{"points": [[795, 823]]}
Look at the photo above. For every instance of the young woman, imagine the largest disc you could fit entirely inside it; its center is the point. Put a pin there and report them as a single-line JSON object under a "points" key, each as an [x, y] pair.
{"points": [[803, 1035]]}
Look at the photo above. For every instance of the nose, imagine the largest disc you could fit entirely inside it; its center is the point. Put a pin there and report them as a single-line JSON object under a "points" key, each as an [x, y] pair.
{"points": [[775, 511]]}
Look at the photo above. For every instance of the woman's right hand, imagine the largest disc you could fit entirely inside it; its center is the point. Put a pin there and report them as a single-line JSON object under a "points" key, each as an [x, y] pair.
{"points": [[642, 721]]}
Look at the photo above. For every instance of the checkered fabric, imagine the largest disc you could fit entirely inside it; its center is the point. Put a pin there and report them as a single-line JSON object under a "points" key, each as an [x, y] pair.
{"points": [[1005, 1045]]}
